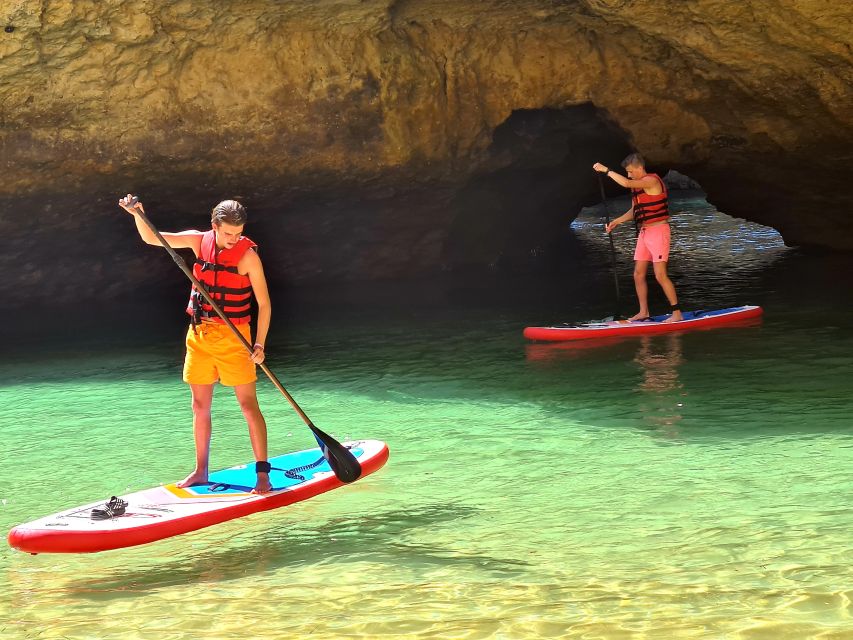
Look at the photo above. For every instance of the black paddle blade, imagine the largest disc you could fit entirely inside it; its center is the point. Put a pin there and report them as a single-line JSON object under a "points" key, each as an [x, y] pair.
{"points": [[341, 459]]}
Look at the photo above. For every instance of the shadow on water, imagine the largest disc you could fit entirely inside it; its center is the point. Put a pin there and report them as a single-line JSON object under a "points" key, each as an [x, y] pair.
{"points": [[377, 538]]}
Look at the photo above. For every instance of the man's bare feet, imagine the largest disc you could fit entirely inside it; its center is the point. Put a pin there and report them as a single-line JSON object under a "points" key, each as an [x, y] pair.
{"points": [[196, 477], [639, 316], [675, 317], [263, 484]]}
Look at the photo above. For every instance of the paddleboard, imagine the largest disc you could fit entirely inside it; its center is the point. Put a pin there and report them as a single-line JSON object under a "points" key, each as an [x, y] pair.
{"points": [[653, 325], [168, 510]]}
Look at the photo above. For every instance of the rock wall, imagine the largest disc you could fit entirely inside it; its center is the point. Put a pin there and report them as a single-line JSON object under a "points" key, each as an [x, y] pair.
{"points": [[362, 133]]}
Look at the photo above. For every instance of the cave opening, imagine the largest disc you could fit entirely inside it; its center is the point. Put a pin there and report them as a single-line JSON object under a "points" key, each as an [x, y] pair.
{"points": [[514, 215]]}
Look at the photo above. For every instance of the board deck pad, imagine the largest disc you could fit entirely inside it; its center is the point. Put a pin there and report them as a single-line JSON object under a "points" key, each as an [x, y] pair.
{"points": [[169, 510], [655, 324], [288, 470]]}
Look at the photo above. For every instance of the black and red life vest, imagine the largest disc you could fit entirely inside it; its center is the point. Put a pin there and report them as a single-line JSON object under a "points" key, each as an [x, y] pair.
{"points": [[649, 208], [216, 269]]}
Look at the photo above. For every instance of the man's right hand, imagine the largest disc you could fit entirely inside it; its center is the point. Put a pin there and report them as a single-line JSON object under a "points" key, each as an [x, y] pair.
{"points": [[131, 204]]}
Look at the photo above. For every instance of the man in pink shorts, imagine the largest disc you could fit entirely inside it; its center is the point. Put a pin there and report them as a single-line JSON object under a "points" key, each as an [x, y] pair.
{"points": [[650, 210]]}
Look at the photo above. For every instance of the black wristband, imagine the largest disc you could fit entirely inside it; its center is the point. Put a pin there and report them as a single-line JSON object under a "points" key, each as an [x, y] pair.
{"points": [[263, 467]]}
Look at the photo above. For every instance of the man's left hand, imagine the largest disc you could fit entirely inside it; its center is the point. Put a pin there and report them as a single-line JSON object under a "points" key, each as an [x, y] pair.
{"points": [[257, 354]]}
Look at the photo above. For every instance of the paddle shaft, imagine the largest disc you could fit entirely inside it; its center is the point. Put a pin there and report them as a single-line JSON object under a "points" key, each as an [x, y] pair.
{"points": [[338, 450], [610, 237]]}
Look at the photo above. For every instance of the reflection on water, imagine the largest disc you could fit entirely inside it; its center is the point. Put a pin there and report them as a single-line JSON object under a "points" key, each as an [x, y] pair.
{"points": [[545, 352], [659, 359]]}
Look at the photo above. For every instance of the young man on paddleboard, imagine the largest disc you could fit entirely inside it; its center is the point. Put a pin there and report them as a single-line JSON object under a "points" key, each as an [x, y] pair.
{"points": [[231, 271], [649, 208]]}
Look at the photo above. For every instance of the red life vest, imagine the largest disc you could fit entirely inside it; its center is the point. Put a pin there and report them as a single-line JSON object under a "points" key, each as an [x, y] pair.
{"points": [[649, 208], [216, 269]]}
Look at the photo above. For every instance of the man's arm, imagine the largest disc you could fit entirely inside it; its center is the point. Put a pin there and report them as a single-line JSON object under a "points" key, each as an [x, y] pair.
{"points": [[648, 183], [628, 215], [181, 240], [251, 262]]}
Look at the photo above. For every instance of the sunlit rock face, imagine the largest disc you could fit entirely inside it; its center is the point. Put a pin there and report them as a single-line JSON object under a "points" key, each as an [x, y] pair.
{"points": [[374, 139]]}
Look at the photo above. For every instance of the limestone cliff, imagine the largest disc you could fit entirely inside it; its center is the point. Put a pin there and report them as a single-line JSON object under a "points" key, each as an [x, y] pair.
{"points": [[379, 138]]}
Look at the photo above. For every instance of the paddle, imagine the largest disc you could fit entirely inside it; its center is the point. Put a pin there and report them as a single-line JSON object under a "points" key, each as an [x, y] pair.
{"points": [[612, 247], [341, 459]]}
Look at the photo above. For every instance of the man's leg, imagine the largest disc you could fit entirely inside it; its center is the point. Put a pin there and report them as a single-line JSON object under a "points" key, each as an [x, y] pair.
{"points": [[202, 400], [641, 268], [668, 290], [248, 399]]}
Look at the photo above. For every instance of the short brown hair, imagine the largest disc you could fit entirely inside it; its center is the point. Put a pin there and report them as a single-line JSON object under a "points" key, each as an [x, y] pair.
{"points": [[635, 159], [228, 212]]}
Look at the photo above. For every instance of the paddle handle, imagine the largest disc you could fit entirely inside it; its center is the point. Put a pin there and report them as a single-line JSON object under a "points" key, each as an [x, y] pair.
{"points": [[610, 237]]}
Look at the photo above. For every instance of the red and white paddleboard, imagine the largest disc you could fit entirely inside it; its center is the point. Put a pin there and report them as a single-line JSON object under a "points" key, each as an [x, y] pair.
{"points": [[165, 511]]}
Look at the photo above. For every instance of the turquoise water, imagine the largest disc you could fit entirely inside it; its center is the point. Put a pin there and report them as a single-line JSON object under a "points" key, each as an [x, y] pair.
{"points": [[683, 486]]}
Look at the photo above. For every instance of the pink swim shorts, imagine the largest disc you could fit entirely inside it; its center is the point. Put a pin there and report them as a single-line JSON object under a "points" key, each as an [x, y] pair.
{"points": [[653, 244]]}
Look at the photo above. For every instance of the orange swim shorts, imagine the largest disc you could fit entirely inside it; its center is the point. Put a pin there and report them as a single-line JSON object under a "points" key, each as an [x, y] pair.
{"points": [[215, 353], [653, 244]]}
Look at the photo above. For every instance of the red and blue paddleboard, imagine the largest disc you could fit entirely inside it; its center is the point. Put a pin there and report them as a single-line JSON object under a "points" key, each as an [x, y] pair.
{"points": [[650, 326]]}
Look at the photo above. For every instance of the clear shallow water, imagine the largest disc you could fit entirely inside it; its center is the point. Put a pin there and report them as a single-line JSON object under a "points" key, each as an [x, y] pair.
{"points": [[681, 486]]}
